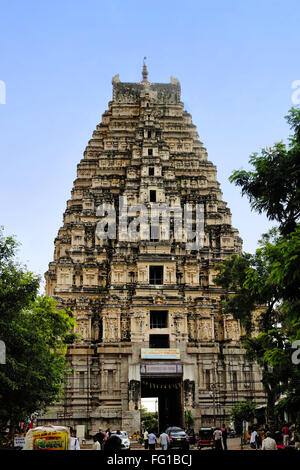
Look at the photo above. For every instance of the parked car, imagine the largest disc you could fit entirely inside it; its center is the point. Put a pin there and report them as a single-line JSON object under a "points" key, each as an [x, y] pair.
{"points": [[177, 438], [125, 442]]}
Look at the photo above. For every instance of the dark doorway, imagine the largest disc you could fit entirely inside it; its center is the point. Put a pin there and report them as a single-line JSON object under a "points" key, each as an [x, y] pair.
{"points": [[168, 390]]}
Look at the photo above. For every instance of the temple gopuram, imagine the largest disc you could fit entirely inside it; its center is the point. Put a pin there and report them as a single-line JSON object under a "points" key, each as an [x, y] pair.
{"points": [[149, 317]]}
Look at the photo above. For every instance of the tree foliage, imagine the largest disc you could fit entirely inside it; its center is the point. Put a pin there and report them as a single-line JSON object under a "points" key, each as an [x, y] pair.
{"points": [[243, 411], [262, 290], [150, 421], [35, 334], [188, 418]]}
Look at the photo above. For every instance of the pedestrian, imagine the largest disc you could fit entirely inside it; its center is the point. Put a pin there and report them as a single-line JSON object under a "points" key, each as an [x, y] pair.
{"points": [[112, 444], [253, 439], [224, 436], [107, 433], [100, 437], [269, 443], [278, 437], [258, 439], [191, 433], [286, 434], [218, 438], [146, 434], [96, 445], [74, 441], [297, 438], [152, 441], [163, 440]]}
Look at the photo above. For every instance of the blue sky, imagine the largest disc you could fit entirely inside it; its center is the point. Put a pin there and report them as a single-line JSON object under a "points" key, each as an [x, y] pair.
{"points": [[236, 62]]}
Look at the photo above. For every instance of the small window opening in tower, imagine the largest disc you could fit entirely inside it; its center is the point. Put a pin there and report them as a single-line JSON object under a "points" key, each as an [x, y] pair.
{"points": [[149, 134], [156, 274], [207, 379], [81, 380], [234, 381], [158, 319], [152, 195], [151, 171], [159, 341], [150, 152]]}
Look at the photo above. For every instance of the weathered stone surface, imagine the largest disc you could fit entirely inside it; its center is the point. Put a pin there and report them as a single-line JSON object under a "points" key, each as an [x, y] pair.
{"points": [[146, 142]]}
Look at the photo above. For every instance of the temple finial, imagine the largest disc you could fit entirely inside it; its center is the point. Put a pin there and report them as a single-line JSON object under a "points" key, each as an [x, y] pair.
{"points": [[145, 71]]}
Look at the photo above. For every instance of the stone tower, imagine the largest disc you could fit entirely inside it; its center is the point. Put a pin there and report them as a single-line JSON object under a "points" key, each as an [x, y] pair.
{"points": [[147, 309]]}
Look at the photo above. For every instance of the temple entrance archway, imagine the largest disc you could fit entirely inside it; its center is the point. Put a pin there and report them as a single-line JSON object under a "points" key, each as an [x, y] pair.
{"points": [[159, 381]]}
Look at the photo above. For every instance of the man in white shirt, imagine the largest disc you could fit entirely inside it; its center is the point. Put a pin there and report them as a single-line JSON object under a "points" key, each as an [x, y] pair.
{"points": [[218, 438], [269, 443], [146, 439], [163, 440], [74, 441], [253, 443]]}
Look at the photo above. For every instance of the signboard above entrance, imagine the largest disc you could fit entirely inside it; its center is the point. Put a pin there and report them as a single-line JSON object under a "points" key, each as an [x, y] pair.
{"points": [[164, 353], [161, 369]]}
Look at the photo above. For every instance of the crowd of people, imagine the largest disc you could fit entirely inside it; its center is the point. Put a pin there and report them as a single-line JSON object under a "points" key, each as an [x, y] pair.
{"points": [[264, 438], [274, 438], [106, 441], [152, 440]]}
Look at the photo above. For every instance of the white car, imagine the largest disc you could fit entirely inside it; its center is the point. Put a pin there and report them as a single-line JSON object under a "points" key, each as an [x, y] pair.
{"points": [[125, 442]]}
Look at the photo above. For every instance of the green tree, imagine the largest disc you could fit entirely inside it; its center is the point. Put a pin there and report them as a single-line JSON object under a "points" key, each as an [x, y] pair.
{"points": [[35, 334], [243, 411], [188, 418], [150, 421], [262, 290]]}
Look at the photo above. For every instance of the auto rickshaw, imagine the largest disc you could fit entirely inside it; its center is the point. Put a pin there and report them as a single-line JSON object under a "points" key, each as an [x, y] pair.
{"points": [[206, 438]]}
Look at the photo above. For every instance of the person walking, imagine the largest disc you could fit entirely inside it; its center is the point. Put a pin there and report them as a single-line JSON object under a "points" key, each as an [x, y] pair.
{"points": [[268, 443], [74, 441], [253, 439], [163, 440], [224, 436], [112, 444], [286, 435], [96, 445], [218, 438], [146, 434], [152, 441], [259, 439], [297, 438], [100, 437]]}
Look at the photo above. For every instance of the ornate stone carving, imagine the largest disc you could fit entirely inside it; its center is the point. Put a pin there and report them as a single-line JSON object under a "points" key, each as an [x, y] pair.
{"points": [[105, 281]]}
